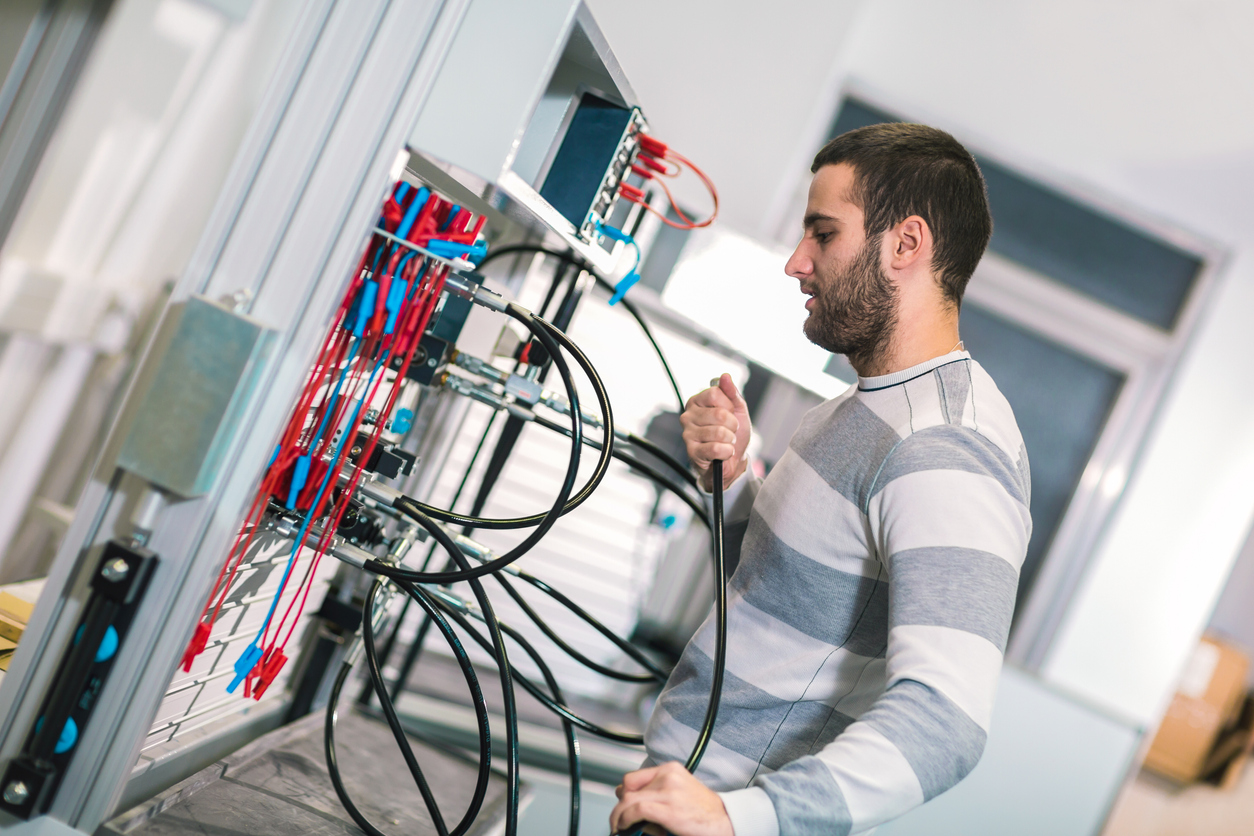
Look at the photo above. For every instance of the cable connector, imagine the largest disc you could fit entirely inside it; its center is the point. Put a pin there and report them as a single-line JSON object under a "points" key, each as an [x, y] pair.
{"points": [[244, 665], [631, 193], [653, 146], [628, 281], [464, 288]]}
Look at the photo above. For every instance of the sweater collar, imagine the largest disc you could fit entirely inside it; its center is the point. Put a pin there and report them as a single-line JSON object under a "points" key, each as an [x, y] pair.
{"points": [[883, 381]]}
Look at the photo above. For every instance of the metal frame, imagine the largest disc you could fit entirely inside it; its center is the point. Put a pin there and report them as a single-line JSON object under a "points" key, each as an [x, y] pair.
{"points": [[1148, 355], [290, 224], [35, 92]]}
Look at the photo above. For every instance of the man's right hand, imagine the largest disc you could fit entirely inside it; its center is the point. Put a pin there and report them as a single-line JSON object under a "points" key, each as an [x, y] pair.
{"points": [[716, 426]]}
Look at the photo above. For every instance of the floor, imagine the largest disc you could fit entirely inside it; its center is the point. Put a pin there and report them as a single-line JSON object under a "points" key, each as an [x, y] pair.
{"points": [[1152, 806], [548, 807]]}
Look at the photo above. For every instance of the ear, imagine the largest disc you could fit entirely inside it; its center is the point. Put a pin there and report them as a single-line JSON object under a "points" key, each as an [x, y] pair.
{"points": [[911, 244]]}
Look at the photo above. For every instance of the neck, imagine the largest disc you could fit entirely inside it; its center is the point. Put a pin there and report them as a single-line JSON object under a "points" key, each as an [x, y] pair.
{"points": [[919, 336]]}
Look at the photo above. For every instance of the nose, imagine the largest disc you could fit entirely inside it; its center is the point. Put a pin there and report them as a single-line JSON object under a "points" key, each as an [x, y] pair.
{"points": [[799, 264]]}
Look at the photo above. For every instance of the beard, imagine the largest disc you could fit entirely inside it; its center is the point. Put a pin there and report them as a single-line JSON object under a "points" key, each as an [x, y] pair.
{"points": [[855, 312]]}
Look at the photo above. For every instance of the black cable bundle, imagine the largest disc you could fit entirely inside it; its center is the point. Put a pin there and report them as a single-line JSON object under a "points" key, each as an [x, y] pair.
{"points": [[445, 612]]}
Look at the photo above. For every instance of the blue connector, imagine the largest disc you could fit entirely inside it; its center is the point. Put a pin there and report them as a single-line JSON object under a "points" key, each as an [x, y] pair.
{"points": [[625, 284], [396, 295], [628, 281], [244, 665], [402, 420], [448, 249], [411, 215], [300, 475], [365, 307]]}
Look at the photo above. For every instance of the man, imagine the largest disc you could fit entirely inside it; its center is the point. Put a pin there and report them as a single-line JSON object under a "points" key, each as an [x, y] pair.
{"points": [[870, 609]]}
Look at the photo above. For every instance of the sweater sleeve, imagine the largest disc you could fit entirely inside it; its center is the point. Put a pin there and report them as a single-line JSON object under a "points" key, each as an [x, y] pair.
{"points": [[948, 516]]}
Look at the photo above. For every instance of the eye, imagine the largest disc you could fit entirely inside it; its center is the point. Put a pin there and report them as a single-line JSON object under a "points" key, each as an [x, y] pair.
{"points": [[824, 237]]}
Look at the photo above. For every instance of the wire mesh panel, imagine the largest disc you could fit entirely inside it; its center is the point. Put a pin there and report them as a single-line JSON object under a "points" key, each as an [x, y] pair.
{"points": [[198, 698]]}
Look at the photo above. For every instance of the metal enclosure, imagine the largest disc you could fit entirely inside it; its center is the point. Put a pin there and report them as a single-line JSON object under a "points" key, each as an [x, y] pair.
{"points": [[188, 405]]}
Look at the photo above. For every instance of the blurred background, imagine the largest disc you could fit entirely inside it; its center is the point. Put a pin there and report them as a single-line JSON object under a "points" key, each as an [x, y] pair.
{"points": [[1113, 309]]}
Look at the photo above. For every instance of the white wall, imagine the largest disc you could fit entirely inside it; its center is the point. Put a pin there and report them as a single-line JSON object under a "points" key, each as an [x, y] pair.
{"points": [[1146, 105]]}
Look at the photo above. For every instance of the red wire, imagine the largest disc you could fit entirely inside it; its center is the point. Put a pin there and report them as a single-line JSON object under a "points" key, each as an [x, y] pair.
{"points": [[685, 222]]}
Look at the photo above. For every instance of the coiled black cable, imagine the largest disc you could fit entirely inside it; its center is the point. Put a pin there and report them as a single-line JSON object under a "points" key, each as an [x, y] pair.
{"points": [[497, 648], [572, 652], [413, 509], [644, 468], [555, 342], [537, 692], [552, 339], [481, 716]]}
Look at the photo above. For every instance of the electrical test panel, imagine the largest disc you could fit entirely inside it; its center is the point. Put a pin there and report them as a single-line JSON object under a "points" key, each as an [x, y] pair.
{"points": [[302, 366]]}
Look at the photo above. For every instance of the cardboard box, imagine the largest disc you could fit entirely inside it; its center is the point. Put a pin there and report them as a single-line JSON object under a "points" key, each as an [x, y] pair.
{"points": [[1210, 694]]}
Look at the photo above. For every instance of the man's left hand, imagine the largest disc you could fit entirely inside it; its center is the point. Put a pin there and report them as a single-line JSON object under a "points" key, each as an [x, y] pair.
{"points": [[669, 797]]}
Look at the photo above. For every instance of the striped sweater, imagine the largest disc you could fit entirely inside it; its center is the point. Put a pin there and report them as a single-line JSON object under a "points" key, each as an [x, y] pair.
{"points": [[869, 613]]}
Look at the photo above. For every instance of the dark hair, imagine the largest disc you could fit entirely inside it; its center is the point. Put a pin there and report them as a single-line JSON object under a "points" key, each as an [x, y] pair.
{"points": [[903, 169]]}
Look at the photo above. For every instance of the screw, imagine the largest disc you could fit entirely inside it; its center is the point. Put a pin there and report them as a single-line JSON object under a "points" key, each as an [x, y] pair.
{"points": [[356, 451], [16, 793], [432, 362], [115, 570]]}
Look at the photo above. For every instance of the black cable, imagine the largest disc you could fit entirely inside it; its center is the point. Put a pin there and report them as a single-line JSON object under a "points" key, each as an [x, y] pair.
{"points": [[410, 507], [603, 283], [389, 713], [705, 734], [537, 692], [573, 653], [644, 468], [720, 607], [682, 470], [552, 338], [618, 641], [481, 715], [497, 649], [543, 520], [568, 728]]}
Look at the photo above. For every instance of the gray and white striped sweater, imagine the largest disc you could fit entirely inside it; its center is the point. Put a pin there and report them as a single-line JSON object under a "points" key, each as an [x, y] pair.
{"points": [[869, 613]]}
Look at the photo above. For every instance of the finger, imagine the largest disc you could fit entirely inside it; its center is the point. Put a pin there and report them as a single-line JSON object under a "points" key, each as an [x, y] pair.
{"points": [[702, 454], [728, 387], [618, 791], [634, 811], [707, 433], [721, 418], [714, 396], [633, 781]]}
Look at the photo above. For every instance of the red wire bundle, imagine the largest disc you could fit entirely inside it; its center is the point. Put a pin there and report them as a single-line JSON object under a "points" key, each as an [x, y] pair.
{"points": [[319, 412], [649, 166]]}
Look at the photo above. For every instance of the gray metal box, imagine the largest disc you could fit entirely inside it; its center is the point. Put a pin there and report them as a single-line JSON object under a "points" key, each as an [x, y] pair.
{"points": [[192, 392]]}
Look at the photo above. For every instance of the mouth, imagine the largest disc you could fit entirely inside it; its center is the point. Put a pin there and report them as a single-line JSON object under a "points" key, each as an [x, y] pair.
{"points": [[812, 295]]}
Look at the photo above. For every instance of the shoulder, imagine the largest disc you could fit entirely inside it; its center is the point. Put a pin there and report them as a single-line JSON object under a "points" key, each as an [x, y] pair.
{"points": [[963, 424]]}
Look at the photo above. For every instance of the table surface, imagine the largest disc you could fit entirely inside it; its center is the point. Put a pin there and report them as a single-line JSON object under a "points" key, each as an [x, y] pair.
{"points": [[279, 785]]}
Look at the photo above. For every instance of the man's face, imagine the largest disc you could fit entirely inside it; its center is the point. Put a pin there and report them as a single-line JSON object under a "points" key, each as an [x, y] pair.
{"points": [[853, 303]]}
